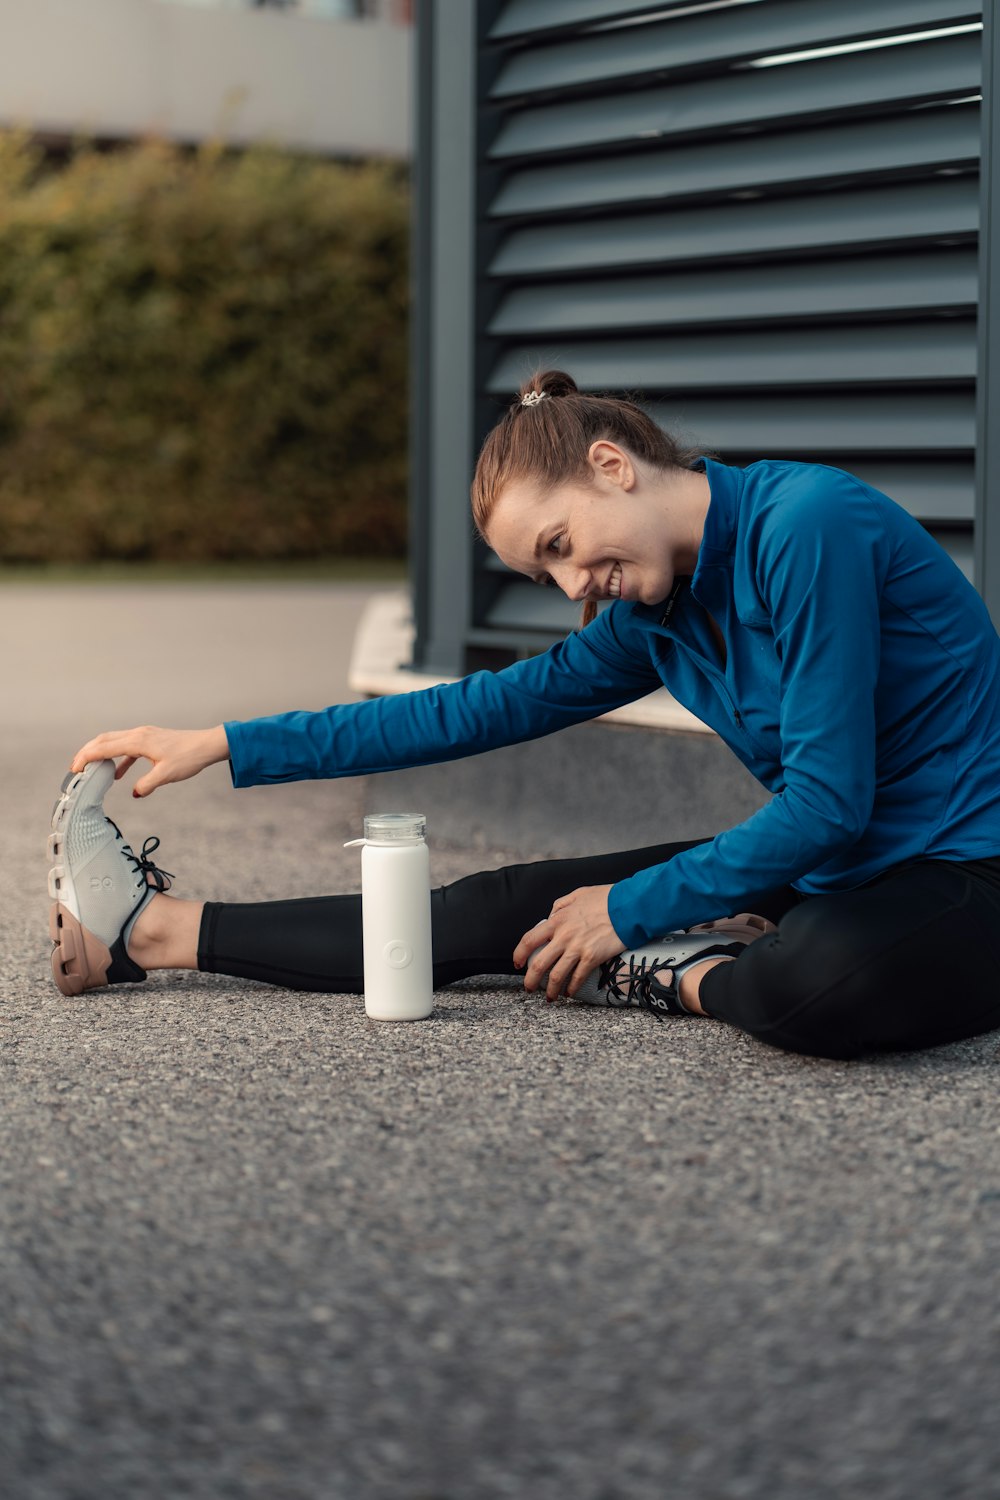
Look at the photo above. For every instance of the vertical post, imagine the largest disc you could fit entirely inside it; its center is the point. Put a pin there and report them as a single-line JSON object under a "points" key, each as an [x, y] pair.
{"points": [[987, 523], [443, 348], [420, 325]]}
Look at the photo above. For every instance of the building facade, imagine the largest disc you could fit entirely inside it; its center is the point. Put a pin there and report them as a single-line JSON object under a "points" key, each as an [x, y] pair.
{"points": [[326, 76]]}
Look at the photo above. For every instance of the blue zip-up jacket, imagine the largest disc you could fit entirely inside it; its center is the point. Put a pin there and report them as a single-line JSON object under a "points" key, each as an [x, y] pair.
{"points": [[861, 686]]}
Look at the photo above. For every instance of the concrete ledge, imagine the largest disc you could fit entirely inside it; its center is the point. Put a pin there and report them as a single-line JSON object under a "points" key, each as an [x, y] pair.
{"points": [[647, 774]]}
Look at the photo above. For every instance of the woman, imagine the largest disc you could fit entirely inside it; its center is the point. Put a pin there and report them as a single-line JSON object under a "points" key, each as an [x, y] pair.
{"points": [[803, 615]]}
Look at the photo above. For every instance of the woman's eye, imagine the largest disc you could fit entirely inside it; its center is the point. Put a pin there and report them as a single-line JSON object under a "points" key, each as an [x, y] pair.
{"points": [[545, 581], [555, 544]]}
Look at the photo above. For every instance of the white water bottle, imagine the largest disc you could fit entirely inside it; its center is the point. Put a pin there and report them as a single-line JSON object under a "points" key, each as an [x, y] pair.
{"points": [[396, 917]]}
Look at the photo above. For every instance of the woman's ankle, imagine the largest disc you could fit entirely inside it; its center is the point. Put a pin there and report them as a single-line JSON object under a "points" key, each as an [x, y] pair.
{"points": [[165, 934], [689, 989]]}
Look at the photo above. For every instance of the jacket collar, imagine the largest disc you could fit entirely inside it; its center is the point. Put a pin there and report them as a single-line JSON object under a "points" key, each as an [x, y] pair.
{"points": [[717, 543], [719, 537]]}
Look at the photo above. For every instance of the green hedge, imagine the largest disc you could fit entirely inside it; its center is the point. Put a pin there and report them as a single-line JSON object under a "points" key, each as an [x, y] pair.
{"points": [[202, 356]]}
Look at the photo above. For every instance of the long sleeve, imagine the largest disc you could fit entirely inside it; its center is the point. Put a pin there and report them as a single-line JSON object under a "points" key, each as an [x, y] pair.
{"points": [[586, 675], [821, 559]]}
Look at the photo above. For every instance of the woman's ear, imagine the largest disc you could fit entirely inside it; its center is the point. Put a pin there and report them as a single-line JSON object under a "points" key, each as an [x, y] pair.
{"points": [[612, 464]]}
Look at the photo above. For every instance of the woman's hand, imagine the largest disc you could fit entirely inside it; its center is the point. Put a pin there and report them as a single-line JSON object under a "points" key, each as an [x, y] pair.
{"points": [[572, 941], [176, 753]]}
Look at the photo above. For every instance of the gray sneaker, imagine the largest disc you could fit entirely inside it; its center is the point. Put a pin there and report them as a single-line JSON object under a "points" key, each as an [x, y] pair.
{"points": [[649, 978], [98, 886]]}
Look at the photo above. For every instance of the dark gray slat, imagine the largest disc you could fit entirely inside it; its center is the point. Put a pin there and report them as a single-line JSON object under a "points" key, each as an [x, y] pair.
{"points": [[665, 46], [523, 605], [528, 17], [801, 426], [946, 208], [516, 643], [490, 563], [812, 289], [920, 140], [520, 606], [959, 547], [902, 353], [925, 71], [935, 490]]}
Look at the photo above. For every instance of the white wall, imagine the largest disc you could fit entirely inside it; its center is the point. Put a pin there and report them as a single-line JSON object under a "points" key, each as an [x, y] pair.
{"points": [[129, 67]]}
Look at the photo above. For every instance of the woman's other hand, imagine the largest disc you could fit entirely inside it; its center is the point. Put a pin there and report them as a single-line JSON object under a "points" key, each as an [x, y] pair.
{"points": [[176, 754], [572, 941]]}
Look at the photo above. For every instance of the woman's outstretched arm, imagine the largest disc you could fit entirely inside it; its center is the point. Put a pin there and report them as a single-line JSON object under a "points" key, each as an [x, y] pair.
{"points": [[580, 678]]}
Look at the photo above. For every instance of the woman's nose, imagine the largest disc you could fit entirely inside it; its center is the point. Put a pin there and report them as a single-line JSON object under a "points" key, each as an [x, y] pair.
{"points": [[577, 585]]}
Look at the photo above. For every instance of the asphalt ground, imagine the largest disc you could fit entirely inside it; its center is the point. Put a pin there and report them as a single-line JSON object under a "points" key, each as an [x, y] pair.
{"points": [[253, 1244]]}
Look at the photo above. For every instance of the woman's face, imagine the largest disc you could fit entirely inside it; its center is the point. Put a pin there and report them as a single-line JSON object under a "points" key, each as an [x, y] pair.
{"points": [[609, 540]]}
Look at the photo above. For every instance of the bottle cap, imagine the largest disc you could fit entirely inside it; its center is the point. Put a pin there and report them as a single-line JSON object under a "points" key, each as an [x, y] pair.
{"points": [[395, 828]]}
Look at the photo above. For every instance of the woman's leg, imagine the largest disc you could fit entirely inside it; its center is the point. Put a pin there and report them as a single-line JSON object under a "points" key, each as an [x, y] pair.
{"points": [[315, 943], [911, 960]]}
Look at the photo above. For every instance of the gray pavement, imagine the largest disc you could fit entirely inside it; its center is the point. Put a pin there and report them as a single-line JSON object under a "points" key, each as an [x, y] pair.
{"points": [[252, 1244]]}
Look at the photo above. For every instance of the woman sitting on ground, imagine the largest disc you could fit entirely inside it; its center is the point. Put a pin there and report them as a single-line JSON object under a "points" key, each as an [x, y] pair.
{"points": [[803, 615]]}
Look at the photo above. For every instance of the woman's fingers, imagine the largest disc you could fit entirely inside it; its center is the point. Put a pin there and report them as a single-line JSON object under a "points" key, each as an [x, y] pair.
{"points": [[108, 746], [545, 964], [582, 971], [549, 955], [534, 939], [573, 940], [559, 976], [163, 770], [124, 765], [558, 973], [541, 969]]}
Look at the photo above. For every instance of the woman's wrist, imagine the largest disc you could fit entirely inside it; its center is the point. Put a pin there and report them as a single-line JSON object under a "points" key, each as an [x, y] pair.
{"points": [[216, 745]]}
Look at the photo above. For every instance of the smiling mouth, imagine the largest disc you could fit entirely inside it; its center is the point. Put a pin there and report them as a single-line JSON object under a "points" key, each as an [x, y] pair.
{"points": [[615, 582]]}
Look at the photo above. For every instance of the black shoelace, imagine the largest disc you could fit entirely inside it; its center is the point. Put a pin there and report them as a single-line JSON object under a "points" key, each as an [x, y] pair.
{"points": [[641, 976], [635, 982], [142, 863]]}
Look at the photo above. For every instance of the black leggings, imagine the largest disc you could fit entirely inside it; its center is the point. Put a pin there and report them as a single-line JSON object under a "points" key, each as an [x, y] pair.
{"points": [[910, 960]]}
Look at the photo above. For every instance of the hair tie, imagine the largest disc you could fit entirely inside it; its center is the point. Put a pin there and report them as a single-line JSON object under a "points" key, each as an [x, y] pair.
{"points": [[533, 398]]}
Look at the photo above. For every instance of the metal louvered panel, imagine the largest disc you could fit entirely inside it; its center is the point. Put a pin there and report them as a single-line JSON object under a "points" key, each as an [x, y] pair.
{"points": [[778, 249]]}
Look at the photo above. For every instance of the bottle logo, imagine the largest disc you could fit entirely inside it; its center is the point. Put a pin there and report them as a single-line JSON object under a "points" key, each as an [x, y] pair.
{"points": [[397, 954]]}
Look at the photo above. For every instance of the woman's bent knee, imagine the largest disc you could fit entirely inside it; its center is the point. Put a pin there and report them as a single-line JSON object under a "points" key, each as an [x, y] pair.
{"points": [[847, 975], [793, 990]]}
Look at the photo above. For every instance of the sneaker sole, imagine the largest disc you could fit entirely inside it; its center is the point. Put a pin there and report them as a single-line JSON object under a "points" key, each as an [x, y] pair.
{"points": [[745, 927], [80, 961]]}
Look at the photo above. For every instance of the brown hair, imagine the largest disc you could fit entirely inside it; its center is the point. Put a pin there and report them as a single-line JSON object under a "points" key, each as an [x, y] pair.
{"points": [[548, 441]]}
